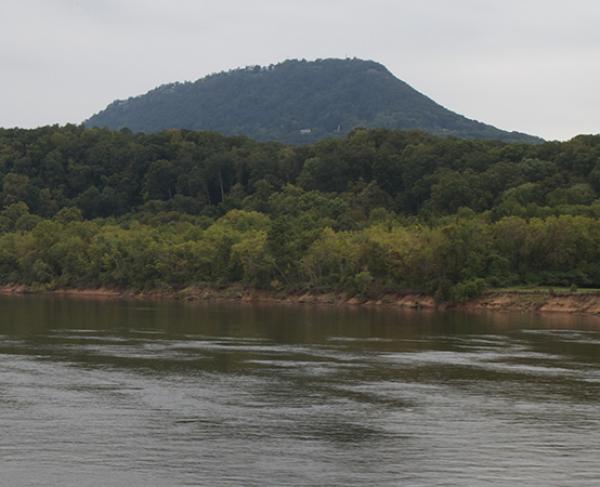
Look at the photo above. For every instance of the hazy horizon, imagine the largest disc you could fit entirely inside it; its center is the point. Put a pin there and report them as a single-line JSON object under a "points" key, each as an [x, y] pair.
{"points": [[521, 66]]}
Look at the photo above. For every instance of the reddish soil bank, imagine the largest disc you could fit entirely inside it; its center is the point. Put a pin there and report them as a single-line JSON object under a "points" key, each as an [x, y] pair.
{"points": [[523, 301]]}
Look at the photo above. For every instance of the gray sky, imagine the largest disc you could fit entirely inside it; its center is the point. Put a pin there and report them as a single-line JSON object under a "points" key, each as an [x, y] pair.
{"points": [[527, 65]]}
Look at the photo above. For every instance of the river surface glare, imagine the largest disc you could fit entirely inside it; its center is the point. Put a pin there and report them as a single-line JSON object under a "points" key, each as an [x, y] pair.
{"points": [[98, 393]]}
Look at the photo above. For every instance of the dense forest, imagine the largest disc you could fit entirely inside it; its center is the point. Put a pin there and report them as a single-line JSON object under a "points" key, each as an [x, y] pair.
{"points": [[377, 211], [296, 101]]}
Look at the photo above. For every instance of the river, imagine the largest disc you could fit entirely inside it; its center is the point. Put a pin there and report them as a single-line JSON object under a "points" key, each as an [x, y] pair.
{"points": [[97, 393]]}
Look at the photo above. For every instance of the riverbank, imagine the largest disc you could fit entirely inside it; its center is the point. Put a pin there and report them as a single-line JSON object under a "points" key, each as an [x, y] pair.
{"points": [[522, 300]]}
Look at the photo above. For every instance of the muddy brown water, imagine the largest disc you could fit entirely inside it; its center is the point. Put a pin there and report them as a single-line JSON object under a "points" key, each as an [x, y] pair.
{"points": [[97, 393]]}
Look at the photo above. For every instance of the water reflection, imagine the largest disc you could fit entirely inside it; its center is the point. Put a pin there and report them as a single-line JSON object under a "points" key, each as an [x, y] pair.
{"points": [[129, 393]]}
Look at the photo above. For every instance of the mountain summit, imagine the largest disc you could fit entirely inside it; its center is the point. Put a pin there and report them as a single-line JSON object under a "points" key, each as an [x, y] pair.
{"points": [[295, 101]]}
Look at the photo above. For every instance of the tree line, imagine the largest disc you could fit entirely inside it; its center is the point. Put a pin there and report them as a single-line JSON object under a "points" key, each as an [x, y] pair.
{"points": [[378, 211]]}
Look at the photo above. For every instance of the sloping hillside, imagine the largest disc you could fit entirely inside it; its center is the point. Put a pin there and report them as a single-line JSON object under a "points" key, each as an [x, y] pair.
{"points": [[294, 102]]}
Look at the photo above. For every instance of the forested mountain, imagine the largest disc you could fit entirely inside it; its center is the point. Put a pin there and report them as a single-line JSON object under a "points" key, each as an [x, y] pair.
{"points": [[294, 102], [373, 212]]}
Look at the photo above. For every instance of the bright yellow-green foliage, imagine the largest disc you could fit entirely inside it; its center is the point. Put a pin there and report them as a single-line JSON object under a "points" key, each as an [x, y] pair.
{"points": [[456, 258]]}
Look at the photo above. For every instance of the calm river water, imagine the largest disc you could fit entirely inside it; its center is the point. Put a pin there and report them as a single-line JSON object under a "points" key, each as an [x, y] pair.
{"points": [[99, 393]]}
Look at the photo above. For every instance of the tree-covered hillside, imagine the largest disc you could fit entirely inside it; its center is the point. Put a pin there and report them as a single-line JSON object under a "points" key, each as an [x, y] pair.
{"points": [[294, 102], [111, 173], [374, 212]]}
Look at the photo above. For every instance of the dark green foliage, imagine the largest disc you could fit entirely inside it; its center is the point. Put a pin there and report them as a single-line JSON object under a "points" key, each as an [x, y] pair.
{"points": [[294, 102], [379, 211], [106, 173]]}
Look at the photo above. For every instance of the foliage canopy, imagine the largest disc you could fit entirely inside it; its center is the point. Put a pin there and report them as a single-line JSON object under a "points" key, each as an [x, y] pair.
{"points": [[376, 211]]}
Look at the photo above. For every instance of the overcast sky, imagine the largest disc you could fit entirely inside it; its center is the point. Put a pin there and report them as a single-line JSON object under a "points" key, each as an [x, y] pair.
{"points": [[527, 65]]}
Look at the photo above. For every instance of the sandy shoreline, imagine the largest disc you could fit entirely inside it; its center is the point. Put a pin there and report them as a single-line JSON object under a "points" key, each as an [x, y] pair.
{"points": [[524, 301]]}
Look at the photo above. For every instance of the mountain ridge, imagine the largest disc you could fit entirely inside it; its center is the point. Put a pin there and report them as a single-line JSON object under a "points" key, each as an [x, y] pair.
{"points": [[296, 101]]}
